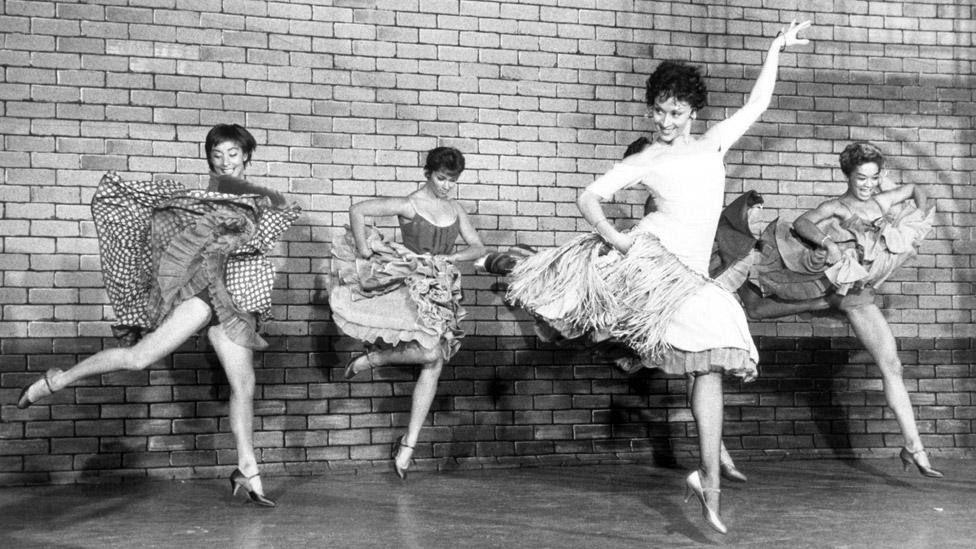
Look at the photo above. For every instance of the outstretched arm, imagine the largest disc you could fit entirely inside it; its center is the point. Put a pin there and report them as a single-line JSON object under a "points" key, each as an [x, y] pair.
{"points": [[470, 235], [730, 130], [374, 208]]}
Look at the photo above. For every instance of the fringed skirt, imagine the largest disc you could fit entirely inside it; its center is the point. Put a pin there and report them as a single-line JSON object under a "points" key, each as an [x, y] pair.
{"points": [[395, 296], [162, 244], [674, 318]]}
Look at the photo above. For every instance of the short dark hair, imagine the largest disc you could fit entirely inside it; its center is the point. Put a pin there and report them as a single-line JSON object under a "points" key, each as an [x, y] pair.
{"points": [[637, 146], [447, 159], [230, 132], [858, 153], [679, 80]]}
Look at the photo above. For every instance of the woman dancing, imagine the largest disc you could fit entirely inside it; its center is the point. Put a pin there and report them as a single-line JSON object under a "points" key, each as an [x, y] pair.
{"points": [[651, 290], [403, 301], [728, 270], [176, 261], [838, 253]]}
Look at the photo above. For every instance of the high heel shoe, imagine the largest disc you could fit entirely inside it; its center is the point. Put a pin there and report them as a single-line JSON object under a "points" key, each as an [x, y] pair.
{"points": [[921, 460], [397, 445], [693, 485], [728, 469], [46, 390], [350, 371], [238, 481]]}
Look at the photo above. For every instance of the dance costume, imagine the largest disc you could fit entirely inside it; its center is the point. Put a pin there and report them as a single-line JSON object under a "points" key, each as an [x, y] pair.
{"points": [[401, 293], [162, 244], [792, 269], [657, 298]]}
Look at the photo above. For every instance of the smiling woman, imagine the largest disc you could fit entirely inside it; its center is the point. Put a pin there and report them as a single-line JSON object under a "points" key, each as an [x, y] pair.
{"points": [[177, 261], [841, 251], [649, 287], [229, 148]]}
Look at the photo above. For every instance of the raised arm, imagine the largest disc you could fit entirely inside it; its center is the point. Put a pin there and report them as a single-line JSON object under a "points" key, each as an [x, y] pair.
{"points": [[470, 235], [899, 194], [374, 208], [731, 129]]}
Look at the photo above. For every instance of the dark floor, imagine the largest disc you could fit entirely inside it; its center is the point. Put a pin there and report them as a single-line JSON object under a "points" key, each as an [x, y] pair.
{"points": [[823, 503]]}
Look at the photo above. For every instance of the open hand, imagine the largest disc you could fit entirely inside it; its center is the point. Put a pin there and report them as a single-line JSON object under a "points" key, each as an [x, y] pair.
{"points": [[790, 37]]}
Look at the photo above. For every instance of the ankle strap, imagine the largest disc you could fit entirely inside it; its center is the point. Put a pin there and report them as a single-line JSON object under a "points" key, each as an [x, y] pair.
{"points": [[711, 490]]}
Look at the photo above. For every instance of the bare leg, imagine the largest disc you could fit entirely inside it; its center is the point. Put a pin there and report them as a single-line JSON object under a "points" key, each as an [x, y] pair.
{"points": [[707, 407], [238, 364], [423, 396], [758, 307], [408, 353], [187, 318], [727, 465], [875, 334]]}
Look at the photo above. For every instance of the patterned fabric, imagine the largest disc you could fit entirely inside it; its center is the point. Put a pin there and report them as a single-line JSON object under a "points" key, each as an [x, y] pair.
{"points": [[162, 244], [395, 296]]}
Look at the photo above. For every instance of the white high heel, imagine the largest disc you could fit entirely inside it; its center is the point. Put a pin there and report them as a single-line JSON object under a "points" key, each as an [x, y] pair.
{"points": [[693, 485]]}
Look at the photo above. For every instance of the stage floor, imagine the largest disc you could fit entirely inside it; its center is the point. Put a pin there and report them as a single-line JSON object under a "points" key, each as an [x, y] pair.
{"points": [[790, 504]]}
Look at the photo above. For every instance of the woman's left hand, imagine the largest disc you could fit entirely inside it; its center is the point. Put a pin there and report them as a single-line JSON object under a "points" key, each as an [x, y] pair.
{"points": [[790, 37]]}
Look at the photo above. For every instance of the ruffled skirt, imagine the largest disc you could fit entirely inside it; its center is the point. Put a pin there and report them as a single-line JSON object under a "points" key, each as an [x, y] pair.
{"points": [[674, 318], [162, 244], [395, 296], [790, 269]]}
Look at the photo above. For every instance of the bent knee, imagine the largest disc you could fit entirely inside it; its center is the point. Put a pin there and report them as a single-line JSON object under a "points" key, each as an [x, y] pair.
{"points": [[434, 366], [429, 356]]}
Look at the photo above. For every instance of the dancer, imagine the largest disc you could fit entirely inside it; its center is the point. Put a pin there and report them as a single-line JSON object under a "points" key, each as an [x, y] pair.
{"points": [[730, 271], [838, 253], [651, 290], [176, 261], [403, 301]]}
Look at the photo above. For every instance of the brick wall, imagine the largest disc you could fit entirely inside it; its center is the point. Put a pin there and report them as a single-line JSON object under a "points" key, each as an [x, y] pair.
{"points": [[541, 96]]}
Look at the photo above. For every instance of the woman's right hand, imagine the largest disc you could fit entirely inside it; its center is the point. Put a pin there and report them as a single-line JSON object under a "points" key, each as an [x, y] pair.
{"points": [[790, 37], [833, 253], [620, 241]]}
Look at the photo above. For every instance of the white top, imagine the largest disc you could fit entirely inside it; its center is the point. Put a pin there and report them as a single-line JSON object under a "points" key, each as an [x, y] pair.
{"points": [[689, 189]]}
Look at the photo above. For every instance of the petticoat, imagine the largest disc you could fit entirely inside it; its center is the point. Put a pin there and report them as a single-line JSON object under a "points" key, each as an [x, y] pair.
{"points": [[161, 244], [791, 269], [395, 296]]}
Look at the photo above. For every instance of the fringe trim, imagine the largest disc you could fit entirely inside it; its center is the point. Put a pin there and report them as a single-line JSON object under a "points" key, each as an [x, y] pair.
{"points": [[653, 284], [577, 268], [632, 296]]}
